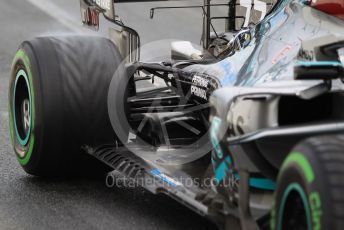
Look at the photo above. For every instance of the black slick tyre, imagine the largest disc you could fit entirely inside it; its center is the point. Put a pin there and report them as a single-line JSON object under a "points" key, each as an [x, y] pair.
{"points": [[58, 102], [310, 187]]}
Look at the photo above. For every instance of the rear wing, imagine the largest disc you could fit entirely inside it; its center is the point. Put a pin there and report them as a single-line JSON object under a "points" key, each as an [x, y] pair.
{"points": [[126, 39], [108, 6]]}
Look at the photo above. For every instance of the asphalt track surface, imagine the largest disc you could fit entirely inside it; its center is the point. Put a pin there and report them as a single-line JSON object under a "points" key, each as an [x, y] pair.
{"points": [[27, 202]]}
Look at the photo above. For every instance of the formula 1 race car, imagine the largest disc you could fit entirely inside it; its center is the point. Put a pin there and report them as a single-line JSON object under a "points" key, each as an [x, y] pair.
{"points": [[247, 132]]}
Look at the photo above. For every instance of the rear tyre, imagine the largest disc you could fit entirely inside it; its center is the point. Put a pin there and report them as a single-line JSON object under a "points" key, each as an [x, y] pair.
{"points": [[310, 187], [58, 102]]}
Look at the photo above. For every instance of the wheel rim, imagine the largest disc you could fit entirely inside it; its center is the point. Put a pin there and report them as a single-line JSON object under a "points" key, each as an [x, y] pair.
{"points": [[22, 108], [294, 211]]}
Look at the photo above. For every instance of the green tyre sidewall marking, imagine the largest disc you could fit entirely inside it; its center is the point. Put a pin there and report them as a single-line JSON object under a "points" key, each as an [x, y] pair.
{"points": [[21, 55], [294, 187], [303, 163], [305, 166]]}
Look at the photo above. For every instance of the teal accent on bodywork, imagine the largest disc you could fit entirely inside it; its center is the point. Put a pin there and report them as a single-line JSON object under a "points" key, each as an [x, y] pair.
{"points": [[260, 183], [215, 127], [224, 167], [294, 187], [319, 63], [23, 142], [305, 2], [222, 170]]}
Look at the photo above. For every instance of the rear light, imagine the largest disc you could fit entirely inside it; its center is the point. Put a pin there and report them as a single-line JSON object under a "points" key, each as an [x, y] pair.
{"points": [[332, 7], [90, 17]]}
